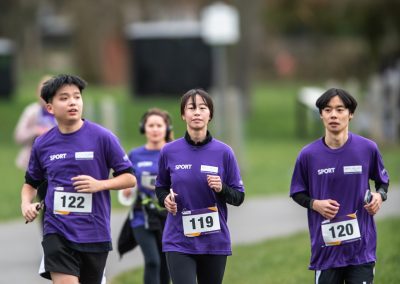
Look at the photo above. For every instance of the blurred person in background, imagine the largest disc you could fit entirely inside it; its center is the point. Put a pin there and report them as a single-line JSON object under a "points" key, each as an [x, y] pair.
{"points": [[76, 158], [34, 121], [198, 176], [331, 179], [148, 217]]}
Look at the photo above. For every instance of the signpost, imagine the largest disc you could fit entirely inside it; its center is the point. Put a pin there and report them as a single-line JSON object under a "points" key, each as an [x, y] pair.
{"points": [[220, 28]]}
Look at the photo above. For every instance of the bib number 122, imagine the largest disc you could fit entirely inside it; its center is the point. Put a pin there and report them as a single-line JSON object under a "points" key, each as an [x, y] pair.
{"points": [[71, 200], [65, 202]]}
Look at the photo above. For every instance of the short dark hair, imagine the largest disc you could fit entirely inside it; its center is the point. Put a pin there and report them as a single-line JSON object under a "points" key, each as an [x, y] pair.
{"points": [[348, 100], [51, 86], [191, 95]]}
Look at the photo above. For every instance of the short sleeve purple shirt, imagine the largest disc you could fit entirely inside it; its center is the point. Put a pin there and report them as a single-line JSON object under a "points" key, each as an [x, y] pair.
{"points": [[145, 166], [92, 150], [343, 175], [184, 168]]}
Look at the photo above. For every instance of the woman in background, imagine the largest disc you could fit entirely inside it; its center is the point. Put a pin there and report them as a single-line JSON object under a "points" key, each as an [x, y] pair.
{"points": [[34, 121], [148, 217]]}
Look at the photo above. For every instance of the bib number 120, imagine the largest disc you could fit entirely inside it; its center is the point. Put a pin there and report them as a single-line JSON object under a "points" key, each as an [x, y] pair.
{"points": [[342, 230]]}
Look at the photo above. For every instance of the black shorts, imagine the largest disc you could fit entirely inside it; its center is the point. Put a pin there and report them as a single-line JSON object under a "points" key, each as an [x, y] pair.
{"points": [[60, 258], [363, 273]]}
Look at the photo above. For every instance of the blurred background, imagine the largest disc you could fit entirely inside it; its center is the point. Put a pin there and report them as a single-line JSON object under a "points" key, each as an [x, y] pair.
{"points": [[163, 48], [263, 61]]}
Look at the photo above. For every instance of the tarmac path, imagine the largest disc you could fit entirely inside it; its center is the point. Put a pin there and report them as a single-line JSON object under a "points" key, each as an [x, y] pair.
{"points": [[252, 222]]}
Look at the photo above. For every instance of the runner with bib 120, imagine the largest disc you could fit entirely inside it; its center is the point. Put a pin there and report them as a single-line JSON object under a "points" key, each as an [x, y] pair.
{"points": [[331, 179]]}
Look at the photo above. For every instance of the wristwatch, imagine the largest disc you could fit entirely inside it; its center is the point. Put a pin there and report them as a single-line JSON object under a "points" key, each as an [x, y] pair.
{"points": [[383, 194]]}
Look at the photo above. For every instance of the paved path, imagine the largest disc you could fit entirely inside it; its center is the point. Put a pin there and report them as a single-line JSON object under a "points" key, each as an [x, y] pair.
{"points": [[254, 221]]}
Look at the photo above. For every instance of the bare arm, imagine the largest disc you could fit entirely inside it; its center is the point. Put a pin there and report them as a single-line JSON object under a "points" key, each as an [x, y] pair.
{"points": [[29, 209], [375, 204], [328, 208], [84, 183]]}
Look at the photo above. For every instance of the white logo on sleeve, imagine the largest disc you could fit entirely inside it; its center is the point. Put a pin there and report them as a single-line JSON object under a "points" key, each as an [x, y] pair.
{"points": [[58, 156], [183, 167], [326, 171]]}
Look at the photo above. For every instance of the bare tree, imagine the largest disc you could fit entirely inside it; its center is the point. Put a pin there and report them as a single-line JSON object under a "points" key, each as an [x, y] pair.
{"points": [[18, 22], [97, 26], [251, 29]]}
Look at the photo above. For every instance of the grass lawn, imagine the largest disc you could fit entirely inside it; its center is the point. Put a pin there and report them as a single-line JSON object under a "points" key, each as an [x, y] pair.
{"points": [[285, 260], [11, 180]]}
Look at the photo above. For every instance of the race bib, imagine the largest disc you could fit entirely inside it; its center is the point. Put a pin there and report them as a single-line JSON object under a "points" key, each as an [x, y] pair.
{"points": [[67, 202], [148, 180], [200, 222], [340, 230]]}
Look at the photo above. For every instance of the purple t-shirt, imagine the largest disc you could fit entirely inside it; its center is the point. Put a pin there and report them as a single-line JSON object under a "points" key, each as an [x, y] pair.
{"points": [[343, 175], [46, 119], [145, 167], [184, 168], [92, 150]]}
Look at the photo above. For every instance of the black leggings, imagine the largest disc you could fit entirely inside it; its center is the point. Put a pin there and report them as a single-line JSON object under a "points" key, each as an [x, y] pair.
{"points": [[185, 268], [155, 268]]}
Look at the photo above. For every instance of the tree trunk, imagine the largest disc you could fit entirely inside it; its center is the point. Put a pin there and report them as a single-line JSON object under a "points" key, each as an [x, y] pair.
{"points": [[250, 36], [98, 42]]}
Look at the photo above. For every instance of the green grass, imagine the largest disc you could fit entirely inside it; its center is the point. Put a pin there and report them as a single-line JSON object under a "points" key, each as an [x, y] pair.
{"points": [[387, 268], [268, 166], [285, 260], [391, 157], [11, 183]]}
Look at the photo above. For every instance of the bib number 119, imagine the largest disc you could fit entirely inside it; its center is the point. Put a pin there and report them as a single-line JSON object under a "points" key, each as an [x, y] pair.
{"points": [[201, 222], [195, 225]]}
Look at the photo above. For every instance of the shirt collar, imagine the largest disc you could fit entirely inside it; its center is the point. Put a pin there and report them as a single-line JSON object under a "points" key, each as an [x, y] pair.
{"points": [[202, 143]]}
